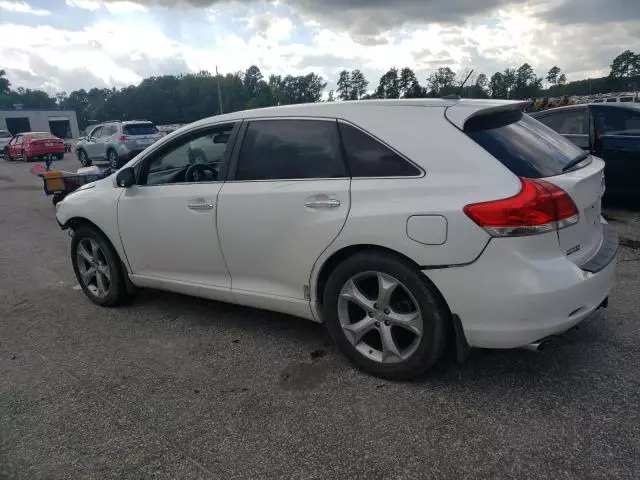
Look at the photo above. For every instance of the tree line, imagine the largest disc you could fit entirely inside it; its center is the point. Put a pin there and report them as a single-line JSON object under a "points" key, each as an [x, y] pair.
{"points": [[188, 97]]}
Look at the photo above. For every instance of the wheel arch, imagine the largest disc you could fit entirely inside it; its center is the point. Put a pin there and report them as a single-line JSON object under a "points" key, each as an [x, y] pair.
{"points": [[456, 342], [331, 262], [74, 223]]}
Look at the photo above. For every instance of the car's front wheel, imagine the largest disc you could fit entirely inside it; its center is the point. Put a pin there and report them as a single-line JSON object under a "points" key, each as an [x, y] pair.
{"points": [[97, 267], [24, 156], [384, 315]]}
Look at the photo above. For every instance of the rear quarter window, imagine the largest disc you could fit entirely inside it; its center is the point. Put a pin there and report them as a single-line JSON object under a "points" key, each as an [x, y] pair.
{"points": [[367, 157], [525, 146]]}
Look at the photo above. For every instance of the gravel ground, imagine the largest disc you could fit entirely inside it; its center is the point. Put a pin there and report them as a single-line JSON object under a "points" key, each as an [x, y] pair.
{"points": [[177, 387]]}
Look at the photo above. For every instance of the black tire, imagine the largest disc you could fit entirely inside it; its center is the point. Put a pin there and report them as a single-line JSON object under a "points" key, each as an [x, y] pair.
{"points": [[59, 156], [435, 314], [24, 157], [112, 157], [7, 157], [117, 291], [83, 158]]}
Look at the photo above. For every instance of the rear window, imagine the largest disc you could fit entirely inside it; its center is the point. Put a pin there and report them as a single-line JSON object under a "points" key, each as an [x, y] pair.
{"points": [[40, 135], [523, 145], [139, 129]]}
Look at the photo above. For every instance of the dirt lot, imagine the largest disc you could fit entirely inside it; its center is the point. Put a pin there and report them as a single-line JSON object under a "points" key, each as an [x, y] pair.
{"points": [[176, 387]]}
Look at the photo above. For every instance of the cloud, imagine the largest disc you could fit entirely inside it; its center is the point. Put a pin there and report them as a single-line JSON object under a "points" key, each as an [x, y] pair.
{"points": [[112, 6], [22, 7], [281, 41], [595, 12], [84, 4], [271, 26]]}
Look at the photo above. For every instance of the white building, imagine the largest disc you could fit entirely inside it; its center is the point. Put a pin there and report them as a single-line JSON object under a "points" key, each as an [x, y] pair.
{"points": [[62, 123]]}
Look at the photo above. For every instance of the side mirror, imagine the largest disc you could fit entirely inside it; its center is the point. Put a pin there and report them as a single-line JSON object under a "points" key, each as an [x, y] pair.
{"points": [[126, 177], [221, 138]]}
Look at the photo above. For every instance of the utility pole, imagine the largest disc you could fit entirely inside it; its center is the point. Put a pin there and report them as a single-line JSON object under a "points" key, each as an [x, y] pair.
{"points": [[219, 91]]}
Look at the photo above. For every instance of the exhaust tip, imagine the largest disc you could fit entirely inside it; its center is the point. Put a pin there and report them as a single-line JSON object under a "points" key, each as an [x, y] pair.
{"points": [[539, 345]]}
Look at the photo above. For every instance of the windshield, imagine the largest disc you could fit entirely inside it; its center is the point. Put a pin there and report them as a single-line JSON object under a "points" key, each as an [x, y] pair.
{"points": [[139, 129], [525, 146]]}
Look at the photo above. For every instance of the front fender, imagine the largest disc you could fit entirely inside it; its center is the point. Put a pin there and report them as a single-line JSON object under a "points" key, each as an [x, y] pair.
{"points": [[97, 205]]}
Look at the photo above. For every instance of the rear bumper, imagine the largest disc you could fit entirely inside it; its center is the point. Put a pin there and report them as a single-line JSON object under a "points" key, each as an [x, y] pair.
{"points": [[513, 295], [40, 152]]}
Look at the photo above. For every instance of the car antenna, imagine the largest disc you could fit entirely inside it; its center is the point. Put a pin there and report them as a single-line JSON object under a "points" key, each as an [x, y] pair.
{"points": [[457, 95]]}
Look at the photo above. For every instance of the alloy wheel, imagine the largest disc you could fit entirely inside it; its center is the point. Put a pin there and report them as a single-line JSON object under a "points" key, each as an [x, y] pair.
{"points": [[93, 267], [380, 317]]}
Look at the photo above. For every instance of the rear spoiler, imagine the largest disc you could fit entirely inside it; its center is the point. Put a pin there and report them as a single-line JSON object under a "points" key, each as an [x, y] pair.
{"points": [[459, 113]]}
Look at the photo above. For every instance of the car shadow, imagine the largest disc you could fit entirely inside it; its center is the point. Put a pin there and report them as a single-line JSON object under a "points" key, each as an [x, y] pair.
{"points": [[556, 360]]}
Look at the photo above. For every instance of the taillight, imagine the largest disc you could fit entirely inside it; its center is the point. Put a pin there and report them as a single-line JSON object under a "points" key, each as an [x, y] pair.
{"points": [[123, 138], [539, 207]]}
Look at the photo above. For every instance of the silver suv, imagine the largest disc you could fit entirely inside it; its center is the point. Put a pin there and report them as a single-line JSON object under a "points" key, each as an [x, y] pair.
{"points": [[116, 142]]}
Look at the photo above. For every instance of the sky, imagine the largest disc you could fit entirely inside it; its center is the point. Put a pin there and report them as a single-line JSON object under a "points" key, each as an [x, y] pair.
{"points": [[63, 45]]}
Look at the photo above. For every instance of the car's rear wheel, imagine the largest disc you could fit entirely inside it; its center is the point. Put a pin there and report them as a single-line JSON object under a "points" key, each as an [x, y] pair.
{"points": [[384, 315], [24, 157], [112, 156], [83, 158], [98, 268]]}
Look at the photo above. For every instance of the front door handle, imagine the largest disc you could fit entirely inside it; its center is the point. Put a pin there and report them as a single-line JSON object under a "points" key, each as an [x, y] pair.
{"points": [[200, 204], [323, 203]]}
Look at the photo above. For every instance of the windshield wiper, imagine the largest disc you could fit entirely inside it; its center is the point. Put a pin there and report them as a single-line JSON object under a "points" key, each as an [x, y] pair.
{"points": [[576, 160]]}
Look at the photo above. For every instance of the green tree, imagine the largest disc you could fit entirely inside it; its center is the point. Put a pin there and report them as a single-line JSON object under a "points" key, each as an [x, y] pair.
{"points": [[389, 85], [552, 75], [4, 83], [442, 82], [359, 85], [344, 85], [526, 84], [625, 65], [562, 79], [407, 82]]}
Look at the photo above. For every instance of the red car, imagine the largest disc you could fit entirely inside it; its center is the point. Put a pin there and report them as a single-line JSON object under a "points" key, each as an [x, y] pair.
{"points": [[31, 145]]}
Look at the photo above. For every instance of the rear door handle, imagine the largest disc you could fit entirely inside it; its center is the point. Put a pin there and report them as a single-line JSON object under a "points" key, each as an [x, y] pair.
{"points": [[323, 203], [200, 204]]}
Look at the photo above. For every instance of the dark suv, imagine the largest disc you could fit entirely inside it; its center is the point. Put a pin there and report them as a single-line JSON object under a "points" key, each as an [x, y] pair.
{"points": [[609, 131]]}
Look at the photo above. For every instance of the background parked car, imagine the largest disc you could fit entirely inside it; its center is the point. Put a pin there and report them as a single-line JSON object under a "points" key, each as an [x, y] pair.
{"points": [[34, 145], [116, 142], [609, 131], [5, 137]]}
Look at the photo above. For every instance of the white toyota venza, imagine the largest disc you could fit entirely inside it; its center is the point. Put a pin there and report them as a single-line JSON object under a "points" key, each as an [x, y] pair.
{"points": [[405, 226]]}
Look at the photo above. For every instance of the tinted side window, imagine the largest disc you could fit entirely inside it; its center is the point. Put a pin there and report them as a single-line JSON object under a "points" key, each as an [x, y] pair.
{"points": [[287, 149], [367, 157], [617, 121], [525, 146], [96, 133], [568, 122]]}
